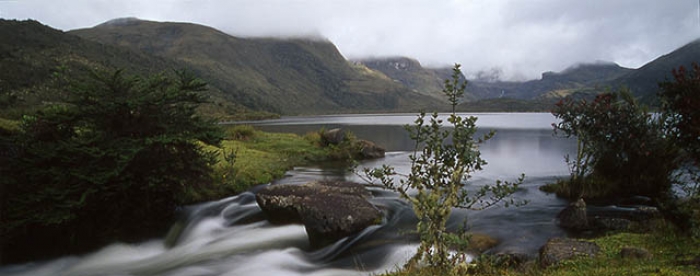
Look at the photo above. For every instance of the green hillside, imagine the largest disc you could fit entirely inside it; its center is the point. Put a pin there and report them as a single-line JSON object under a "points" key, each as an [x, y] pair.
{"points": [[644, 82], [410, 73], [32, 54], [287, 76]]}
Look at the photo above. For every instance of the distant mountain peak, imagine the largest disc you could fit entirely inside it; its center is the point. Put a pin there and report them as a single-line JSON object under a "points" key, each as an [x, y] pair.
{"points": [[591, 65], [124, 21]]}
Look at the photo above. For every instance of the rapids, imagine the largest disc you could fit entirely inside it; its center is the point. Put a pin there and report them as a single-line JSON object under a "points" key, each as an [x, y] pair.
{"points": [[231, 237]]}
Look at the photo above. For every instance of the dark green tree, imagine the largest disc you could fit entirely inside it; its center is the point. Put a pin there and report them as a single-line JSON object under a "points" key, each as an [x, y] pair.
{"points": [[681, 104], [112, 163], [680, 100]]}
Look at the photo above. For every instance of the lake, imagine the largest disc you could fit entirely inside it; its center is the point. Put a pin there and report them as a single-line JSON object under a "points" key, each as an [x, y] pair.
{"points": [[227, 237]]}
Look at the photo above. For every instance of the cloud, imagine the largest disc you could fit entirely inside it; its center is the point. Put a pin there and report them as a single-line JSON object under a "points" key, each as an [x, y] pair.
{"points": [[523, 38]]}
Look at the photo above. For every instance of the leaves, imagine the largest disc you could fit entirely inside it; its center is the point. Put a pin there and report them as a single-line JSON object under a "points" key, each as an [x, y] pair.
{"points": [[618, 141], [112, 161], [444, 158]]}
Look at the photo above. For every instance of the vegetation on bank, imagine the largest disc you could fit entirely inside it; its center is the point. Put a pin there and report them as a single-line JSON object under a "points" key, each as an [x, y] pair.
{"points": [[437, 182], [138, 142], [115, 159], [623, 150], [672, 253], [248, 157]]}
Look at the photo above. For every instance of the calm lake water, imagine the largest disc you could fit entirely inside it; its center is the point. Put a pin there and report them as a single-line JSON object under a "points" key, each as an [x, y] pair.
{"points": [[228, 237]]}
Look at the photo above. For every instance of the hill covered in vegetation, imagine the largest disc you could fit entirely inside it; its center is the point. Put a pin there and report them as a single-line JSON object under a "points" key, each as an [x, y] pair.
{"points": [[287, 76]]}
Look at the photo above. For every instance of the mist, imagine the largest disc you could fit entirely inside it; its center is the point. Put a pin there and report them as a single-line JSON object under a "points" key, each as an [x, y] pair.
{"points": [[521, 39]]}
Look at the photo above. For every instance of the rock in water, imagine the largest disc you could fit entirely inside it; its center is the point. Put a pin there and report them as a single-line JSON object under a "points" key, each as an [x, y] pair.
{"points": [[370, 150], [328, 210], [334, 136], [574, 216], [559, 249]]}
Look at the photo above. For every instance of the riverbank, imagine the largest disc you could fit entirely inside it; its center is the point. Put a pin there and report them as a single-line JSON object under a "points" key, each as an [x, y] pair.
{"points": [[249, 157], [671, 253]]}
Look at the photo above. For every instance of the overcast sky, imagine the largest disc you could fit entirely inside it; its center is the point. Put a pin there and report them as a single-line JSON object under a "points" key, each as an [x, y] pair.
{"points": [[523, 38]]}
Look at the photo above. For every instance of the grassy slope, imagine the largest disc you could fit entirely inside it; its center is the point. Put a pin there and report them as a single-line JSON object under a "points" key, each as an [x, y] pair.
{"points": [[30, 54], [290, 76], [644, 82]]}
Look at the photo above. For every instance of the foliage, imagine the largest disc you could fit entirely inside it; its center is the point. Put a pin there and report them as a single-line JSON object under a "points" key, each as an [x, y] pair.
{"points": [[437, 181], [680, 102], [681, 106], [618, 142], [249, 157], [672, 252], [109, 164]]}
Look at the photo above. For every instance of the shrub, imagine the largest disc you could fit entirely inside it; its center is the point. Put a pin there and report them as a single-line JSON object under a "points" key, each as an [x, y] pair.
{"points": [[680, 100], [438, 179], [619, 143], [107, 165]]}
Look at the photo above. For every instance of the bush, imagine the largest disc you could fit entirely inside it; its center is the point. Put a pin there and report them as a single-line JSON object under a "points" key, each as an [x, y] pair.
{"points": [[619, 143], [107, 165], [680, 100], [438, 180], [681, 107]]}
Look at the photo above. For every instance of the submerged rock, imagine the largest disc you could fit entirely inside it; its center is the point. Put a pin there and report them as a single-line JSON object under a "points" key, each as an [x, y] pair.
{"points": [[481, 242], [328, 210], [370, 150], [559, 249], [612, 224]]}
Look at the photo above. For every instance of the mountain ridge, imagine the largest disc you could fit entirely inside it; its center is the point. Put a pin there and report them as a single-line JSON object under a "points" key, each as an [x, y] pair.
{"points": [[287, 76]]}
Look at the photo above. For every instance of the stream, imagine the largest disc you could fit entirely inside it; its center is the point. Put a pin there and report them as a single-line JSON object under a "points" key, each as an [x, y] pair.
{"points": [[231, 236]]}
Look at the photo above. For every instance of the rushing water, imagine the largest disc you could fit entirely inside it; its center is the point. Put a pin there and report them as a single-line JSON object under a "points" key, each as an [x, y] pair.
{"points": [[231, 236]]}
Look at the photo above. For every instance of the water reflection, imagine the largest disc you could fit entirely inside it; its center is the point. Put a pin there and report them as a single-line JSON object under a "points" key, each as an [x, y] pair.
{"points": [[523, 144]]}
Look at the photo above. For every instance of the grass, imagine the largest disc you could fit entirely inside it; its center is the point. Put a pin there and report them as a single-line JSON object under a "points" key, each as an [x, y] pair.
{"points": [[594, 189], [670, 248], [249, 157]]}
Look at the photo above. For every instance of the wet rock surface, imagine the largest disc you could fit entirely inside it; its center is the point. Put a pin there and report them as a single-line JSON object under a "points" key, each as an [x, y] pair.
{"points": [[574, 216], [328, 210]]}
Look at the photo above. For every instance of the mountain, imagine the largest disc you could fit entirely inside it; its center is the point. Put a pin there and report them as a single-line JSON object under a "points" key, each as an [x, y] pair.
{"points": [[31, 54], [287, 76], [644, 82], [577, 78], [589, 79], [412, 74]]}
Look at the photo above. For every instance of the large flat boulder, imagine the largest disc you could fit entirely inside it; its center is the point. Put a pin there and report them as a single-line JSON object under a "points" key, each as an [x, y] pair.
{"points": [[559, 249], [328, 210]]}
